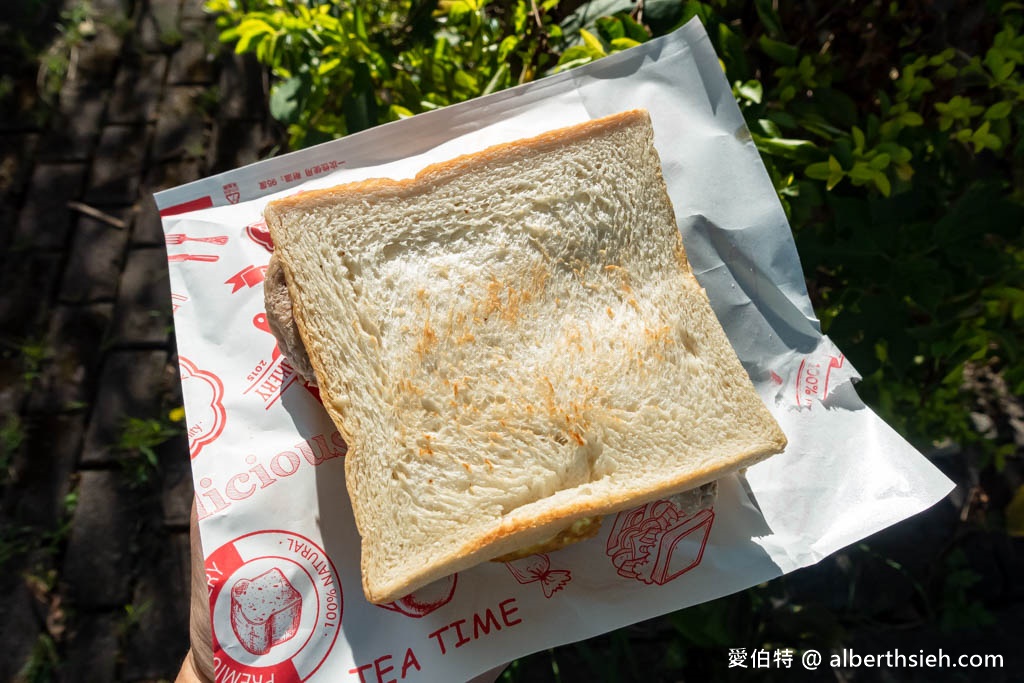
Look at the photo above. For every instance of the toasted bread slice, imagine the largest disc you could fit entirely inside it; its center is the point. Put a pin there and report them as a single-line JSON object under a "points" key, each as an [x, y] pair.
{"points": [[510, 342]]}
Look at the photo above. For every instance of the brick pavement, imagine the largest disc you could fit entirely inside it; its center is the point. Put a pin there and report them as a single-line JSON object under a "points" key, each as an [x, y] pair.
{"points": [[94, 541]]}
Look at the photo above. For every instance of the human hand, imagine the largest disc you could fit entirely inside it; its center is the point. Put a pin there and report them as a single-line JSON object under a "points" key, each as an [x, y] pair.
{"points": [[198, 664]]}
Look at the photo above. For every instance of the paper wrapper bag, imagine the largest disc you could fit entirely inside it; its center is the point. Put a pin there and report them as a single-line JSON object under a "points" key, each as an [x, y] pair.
{"points": [[282, 552]]}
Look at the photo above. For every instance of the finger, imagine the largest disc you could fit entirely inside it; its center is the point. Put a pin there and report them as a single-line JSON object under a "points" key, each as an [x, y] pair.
{"points": [[201, 636]]}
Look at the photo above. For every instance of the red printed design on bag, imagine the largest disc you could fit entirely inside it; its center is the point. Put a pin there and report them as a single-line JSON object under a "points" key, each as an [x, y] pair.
{"points": [[259, 234], [656, 543], [206, 414], [232, 193], [281, 613], [176, 301], [177, 238], [262, 323], [270, 379], [812, 379], [537, 568], [201, 258], [427, 599], [265, 611], [250, 276]]}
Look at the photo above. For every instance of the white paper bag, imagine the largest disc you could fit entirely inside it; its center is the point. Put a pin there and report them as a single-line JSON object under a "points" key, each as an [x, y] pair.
{"points": [[282, 552]]}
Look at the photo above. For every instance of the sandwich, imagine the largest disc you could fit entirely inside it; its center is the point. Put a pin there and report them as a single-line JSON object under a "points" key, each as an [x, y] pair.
{"points": [[513, 345]]}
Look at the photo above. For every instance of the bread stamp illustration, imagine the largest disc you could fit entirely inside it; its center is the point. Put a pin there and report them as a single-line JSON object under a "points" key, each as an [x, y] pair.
{"points": [[427, 599], [205, 398], [537, 569], [265, 611], [276, 607], [658, 542]]}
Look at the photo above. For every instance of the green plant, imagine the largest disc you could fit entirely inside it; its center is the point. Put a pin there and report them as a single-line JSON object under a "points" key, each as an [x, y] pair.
{"points": [[12, 435], [59, 63], [43, 662], [958, 609], [132, 617], [339, 68], [136, 446]]}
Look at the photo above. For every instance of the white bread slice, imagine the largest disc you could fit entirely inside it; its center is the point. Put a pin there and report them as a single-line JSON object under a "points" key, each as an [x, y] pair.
{"points": [[510, 342]]}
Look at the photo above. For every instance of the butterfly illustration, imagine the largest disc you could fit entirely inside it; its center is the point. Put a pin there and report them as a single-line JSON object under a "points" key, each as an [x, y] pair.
{"points": [[537, 568]]}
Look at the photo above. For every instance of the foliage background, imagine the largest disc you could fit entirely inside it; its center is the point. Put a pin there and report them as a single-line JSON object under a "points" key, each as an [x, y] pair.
{"points": [[892, 132]]}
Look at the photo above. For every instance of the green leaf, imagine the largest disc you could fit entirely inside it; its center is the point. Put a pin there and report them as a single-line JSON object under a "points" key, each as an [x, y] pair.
{"points": [[751, 90], [577, 54], [731, 47], [879, 161], [782, 53], [610, 28], [592, 43], [861, 172], [911, 118], [999, 110], [620, 44], [818, 171], [285, 100], [769, 17], [882, 183], [858, 139], [634, 29]]}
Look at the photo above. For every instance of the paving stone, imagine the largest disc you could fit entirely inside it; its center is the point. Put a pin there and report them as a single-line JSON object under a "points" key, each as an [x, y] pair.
{"points": [[238, 142], [12, 386], [97, 57], [42, 472], [194, 10], [17, 153], [94, 263], [157, 25], [181, 130], [45, 219], [194, 63], [177, 490], [147, 229], [27, 279], [132, 385], [91, 651], [19, 626], [157, 642], [241, 88], [143, 313], [171, 174], [117, 166], [97, 562], [137, 89], [68, 379], [75, 127]]}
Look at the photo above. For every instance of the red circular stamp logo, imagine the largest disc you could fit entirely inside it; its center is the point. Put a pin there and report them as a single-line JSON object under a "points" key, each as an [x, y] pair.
{"points": [[276, 605]]}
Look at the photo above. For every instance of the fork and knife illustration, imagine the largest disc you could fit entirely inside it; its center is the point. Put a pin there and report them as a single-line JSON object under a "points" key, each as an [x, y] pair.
{"points": [[180, 238]]}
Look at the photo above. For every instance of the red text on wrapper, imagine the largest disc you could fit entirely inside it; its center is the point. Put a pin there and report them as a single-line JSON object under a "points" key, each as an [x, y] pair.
{"points": [[275, 606], [390, 668], [812, 379], [261, 472]]}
